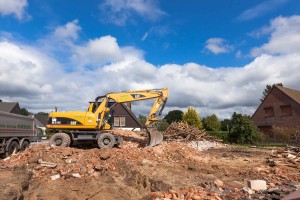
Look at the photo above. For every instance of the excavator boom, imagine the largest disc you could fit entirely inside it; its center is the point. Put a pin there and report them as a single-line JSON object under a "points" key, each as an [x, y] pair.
{"points": [[160, 96]]}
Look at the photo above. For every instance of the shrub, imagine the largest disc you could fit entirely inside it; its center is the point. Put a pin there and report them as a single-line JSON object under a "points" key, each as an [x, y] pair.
{"points": [[286, 134], [192, 118], [225, 124], [174, 116], [242, 130], [212, 123]]}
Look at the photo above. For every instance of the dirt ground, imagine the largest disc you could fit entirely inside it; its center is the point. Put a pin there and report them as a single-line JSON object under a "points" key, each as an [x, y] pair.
{"points": [[171, 170]]}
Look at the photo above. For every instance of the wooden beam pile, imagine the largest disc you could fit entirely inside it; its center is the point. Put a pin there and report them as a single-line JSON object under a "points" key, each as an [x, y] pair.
{"points": [[183, 131], [289, 157]]}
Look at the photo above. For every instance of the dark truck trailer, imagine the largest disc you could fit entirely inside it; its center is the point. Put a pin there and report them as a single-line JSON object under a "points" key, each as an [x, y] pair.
{"points": [[16, 133]]}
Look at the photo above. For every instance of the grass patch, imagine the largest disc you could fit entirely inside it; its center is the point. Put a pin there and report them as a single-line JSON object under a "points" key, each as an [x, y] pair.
{"points": [[273, 144]]}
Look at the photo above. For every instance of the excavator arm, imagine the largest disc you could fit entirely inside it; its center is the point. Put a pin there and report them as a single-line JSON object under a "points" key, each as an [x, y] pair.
{"points": [[160, 96]]}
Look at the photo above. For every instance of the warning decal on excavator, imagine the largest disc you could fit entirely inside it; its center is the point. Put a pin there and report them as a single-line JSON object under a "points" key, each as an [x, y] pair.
{"points": [[137, 96]]}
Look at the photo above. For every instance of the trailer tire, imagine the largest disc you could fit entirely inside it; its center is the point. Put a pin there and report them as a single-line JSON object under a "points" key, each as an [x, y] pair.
{"points": [[60, 140], [106, 140], [24, 145], [12, 148]]}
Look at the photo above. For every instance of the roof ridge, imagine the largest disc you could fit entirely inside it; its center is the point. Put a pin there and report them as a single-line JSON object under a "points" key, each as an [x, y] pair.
{"points": [[292, 93]]}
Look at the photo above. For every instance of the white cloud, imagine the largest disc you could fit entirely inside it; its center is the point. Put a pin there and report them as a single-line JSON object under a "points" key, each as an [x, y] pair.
{"points": [[13, 7], [89, 54], [158, 31], [238, 54], [260, 32], [260, 9], [23, 70], [218, 45], [120, 11], [68, 31], [42, 83], [285, 38], [38, 81], [101, 51], [145, 36]]}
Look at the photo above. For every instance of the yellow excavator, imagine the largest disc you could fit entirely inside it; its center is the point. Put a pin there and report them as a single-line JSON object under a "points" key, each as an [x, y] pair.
{"points": [[93, 125]]}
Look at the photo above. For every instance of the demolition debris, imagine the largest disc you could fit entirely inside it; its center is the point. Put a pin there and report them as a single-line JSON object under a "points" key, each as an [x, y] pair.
{"points": [[185, 167]]}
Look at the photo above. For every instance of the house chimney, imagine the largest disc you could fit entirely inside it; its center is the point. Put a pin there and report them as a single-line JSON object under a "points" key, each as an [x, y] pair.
{"points": [[129, 105]]}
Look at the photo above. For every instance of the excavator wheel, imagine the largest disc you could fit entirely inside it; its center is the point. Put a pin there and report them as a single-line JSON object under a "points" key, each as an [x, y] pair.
{"points": [[154, 136], [60, 140], [106, 140]]}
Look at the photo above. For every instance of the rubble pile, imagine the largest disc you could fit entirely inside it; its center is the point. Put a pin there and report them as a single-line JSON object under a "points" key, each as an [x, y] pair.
{"points": [[288, 157], [213, 191], [53, 163], [47, 162], [175, 169], [183, 131], [198, 139]]}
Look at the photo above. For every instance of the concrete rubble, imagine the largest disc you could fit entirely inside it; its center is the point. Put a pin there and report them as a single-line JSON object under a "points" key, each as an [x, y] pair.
{"points": [[257, 185], [289, 157], [205, 145], [174, 169]]}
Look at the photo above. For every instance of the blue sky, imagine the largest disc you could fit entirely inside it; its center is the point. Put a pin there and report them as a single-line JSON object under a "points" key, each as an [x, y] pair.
{"points": [[176, 34], [207, 52]]}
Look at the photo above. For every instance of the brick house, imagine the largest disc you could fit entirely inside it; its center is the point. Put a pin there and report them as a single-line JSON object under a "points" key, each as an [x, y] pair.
{"points": [[280, 108], [123, 117]]}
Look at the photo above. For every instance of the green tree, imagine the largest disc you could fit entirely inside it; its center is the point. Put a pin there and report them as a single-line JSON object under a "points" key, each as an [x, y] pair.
{"points": [[24, 111], [268, 89], [192, 118], [242, 130], [212, 123], [162, 125], [43, 113], [142, 119], [174, 116], [225, 123]]}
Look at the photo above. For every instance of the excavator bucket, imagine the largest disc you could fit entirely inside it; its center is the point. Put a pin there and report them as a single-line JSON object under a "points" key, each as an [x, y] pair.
{"points": [[155, 137]]}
